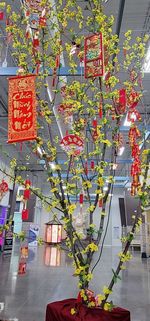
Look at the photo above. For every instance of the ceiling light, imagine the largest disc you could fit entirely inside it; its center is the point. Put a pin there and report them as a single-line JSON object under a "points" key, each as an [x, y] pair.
{"points": [[39, 151], [105, 188], [121, 150], [146, 65], [52, 165], [115, 166], [110, 194]]}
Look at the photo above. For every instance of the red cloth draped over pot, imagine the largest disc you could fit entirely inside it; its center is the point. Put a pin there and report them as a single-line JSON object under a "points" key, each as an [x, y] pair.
{"points": [[61, 311]]}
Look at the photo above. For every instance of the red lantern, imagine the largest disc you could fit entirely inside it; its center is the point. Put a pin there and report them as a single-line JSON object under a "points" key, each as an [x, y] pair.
{"points": [[25, 214], [53, 233]]}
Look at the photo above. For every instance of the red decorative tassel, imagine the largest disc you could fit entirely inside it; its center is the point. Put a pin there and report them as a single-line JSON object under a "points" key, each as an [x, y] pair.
{"points": [[81, 199], [100, 110], [25, 214], [27, 182], [94, 123], [122, 97], [57, 61], [36, 42], [26, 194], [86, 168], [1, 15], [92, 164], [100, 203]]}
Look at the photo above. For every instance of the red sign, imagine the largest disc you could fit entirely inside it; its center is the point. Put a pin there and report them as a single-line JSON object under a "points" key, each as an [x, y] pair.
{"points": [[93, 56], [22, 109]]}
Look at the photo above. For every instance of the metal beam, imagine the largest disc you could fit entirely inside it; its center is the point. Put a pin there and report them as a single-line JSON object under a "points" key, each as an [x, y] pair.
{"points": [[62, 71]]}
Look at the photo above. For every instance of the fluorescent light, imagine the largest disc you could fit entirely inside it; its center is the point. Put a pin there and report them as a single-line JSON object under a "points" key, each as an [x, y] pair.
{"points": [[39, 150], [126, 122], [52, 165], [146, 65], [110, 194], [121, 150], [105, 188], [115, 166]]}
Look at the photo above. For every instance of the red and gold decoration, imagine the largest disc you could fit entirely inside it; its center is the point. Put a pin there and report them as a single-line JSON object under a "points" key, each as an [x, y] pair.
{"points": [[66, 111], [120, 103], [134, 134], [52, 256], [72, 144], [53, 232], [27, 192], [22, 109], [3, 189], [25, 214], [93, 56]]}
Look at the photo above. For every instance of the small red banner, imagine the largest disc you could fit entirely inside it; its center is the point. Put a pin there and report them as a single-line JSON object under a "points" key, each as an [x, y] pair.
{"points": [[22, 109], [93, 56]]}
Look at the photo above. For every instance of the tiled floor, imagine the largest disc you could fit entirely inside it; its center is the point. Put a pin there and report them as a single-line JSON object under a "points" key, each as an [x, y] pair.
{"points": [[25, 297]]}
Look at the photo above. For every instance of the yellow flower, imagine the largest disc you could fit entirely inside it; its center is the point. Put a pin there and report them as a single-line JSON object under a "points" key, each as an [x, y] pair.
{"points": [[107, 306], [106, 290], [73, 311], [92, 247]]}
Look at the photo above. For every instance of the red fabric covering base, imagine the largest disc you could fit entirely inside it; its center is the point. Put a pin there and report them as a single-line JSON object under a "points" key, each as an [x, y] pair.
{"points": [[61, 311]]}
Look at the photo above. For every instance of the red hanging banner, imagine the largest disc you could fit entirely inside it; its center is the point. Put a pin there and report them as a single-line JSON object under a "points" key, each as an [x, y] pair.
{"points": [[22, 109], [93, 56]]}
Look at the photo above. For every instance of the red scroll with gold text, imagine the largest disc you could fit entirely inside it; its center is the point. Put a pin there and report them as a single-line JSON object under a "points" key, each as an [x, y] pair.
{"points": [[93, 56], [22, 109]]}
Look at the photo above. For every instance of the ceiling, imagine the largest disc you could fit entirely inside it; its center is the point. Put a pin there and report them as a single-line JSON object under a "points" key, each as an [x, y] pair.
{"points": [[129, 14]]}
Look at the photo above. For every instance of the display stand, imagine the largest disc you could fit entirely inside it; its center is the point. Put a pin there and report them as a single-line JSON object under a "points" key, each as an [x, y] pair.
{"points": [[61, 311]]}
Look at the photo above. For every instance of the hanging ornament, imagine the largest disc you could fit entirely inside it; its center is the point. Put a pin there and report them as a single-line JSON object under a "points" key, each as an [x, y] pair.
{"points": [[135, 150], [100, 110], [93, 56], [133, 115], [92, 164], [134, 133], [86, 168], [22, 109], [120, 102], [100, 202], [81, 199], [1, 15], [72, 144], [3, 189], [25, 214], [133, 99]]}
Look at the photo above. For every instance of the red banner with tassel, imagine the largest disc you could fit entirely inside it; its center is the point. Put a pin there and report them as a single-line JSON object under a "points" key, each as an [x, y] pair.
{"points": [[22, 124]]}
